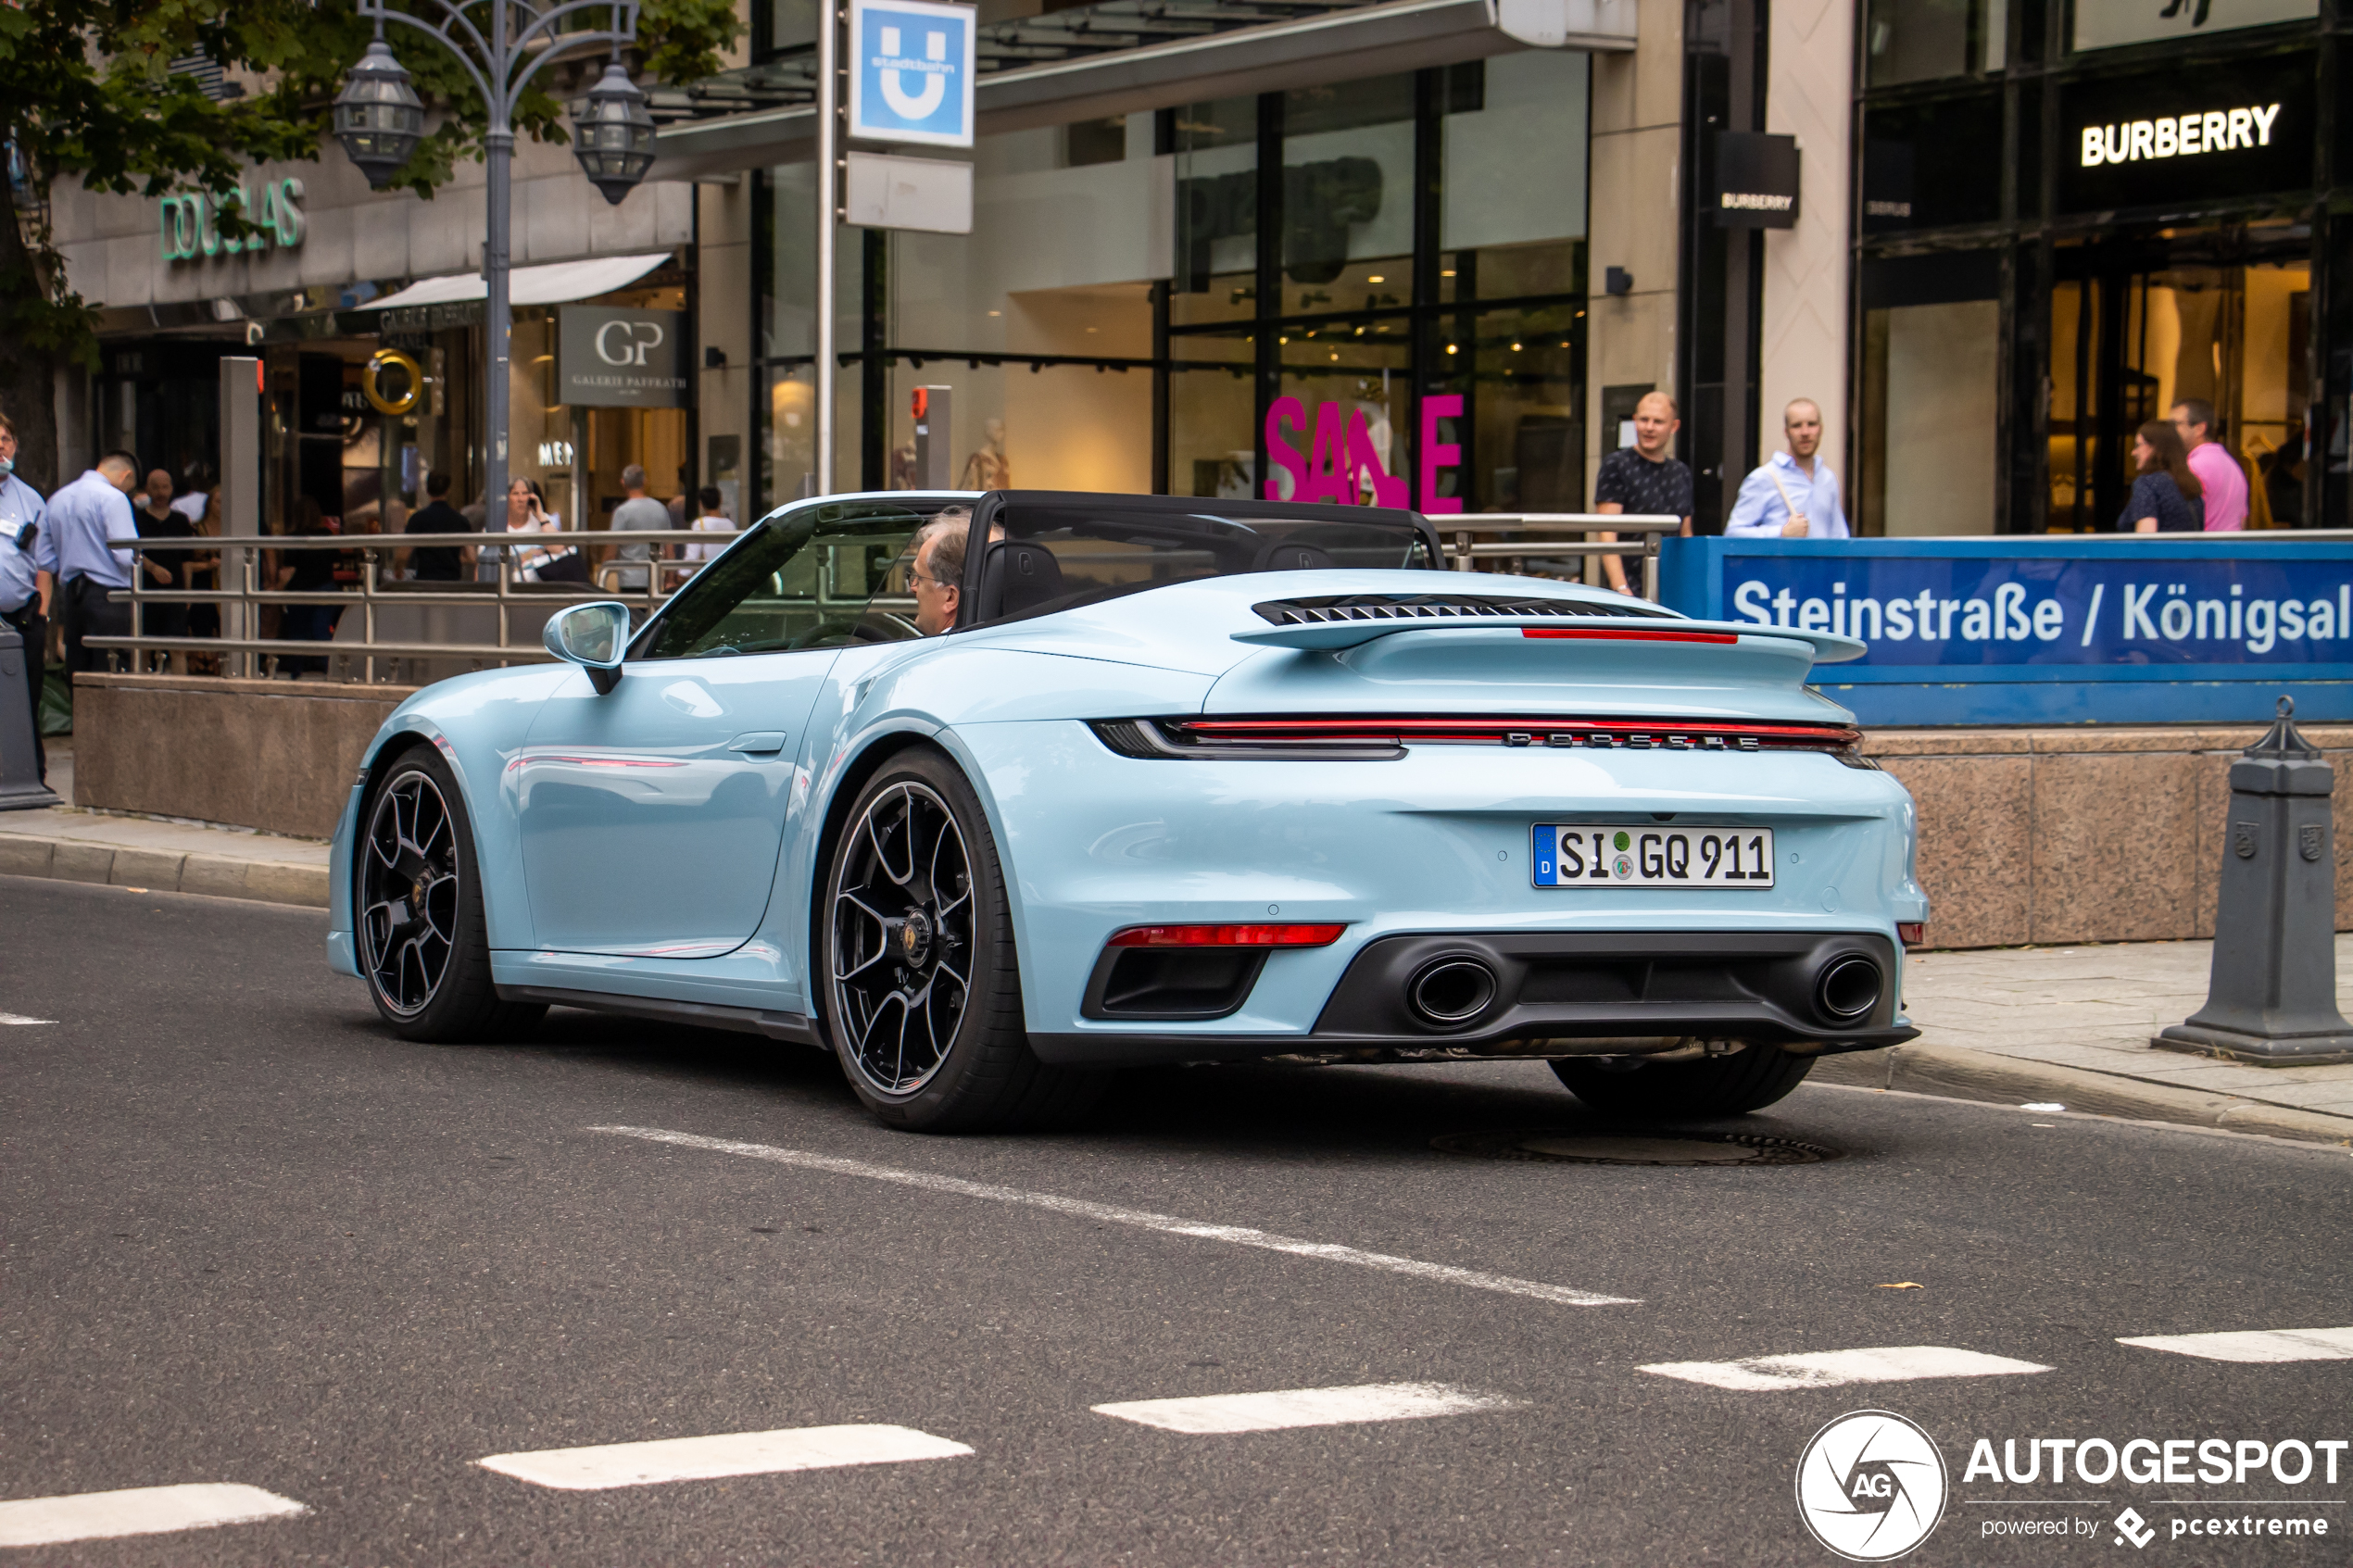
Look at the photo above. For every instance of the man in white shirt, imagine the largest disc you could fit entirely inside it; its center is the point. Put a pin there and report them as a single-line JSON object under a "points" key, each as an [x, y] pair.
{"points": [[1793, 496], [638, 512], [87, 518]]}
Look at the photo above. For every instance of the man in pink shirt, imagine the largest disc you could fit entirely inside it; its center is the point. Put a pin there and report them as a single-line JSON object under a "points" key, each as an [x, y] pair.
{"points": [[2224, 481]]}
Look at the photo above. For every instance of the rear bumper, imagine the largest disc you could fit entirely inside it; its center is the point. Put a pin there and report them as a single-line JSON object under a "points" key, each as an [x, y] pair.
{"points": [[1556, 993]]}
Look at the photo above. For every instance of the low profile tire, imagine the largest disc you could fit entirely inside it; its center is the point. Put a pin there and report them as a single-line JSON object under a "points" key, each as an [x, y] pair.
{"points": [[417, 902], [1724, 1086], [922, 984]]}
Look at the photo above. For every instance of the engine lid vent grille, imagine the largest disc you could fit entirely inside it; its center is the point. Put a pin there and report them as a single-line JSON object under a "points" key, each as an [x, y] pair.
{"points": [[1440, 607]]}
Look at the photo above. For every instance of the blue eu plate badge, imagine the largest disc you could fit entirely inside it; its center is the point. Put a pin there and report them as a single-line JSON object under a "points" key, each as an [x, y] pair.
{"points": [[911, 76]]}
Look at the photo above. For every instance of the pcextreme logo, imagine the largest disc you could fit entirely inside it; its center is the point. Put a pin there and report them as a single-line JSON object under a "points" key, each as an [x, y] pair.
{"points": [[1870, 1486]]}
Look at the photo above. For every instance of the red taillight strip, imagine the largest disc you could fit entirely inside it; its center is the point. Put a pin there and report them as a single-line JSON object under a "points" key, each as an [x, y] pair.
{"points": [[1228, 936], [1489, 729], [1615, 634]]}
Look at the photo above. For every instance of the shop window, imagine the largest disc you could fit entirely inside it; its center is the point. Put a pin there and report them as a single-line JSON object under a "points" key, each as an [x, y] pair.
{"points": [[1931, 165], [1348, 192], [2127, 346], [1520, 374], [2105, 24], [1515, 173], [1924, 40], [1930, 378], [1214, 148], [1213, 432]]}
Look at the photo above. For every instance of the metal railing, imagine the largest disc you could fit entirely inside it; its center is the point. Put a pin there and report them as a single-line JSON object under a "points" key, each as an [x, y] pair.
{"points": [[1532, 536], [1467, 540], [244, 654]]}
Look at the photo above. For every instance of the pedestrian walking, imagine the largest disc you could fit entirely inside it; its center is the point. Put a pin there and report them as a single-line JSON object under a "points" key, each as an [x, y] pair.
{"points": [[90, 516], [1793, 495], [1644, 477], [2166, 492], [2218, 474], [639, 513], [437, 563], [715, 519], [28, 576]]}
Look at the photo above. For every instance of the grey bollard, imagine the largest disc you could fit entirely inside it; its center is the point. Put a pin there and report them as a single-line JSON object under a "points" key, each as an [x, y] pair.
{"points": [[2272, 1000], [21, 786]]}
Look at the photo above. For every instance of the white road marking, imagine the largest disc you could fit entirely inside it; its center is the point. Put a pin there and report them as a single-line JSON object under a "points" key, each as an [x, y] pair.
{"points": [[138, 1510], [1560, 1294], [728, 1453], [7, 1018], [1305, 1407], [1827, 1369], [2257, 1344]]}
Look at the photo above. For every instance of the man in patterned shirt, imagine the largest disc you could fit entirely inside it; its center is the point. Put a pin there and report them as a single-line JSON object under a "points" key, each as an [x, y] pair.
{"points": [[1642, 477]]}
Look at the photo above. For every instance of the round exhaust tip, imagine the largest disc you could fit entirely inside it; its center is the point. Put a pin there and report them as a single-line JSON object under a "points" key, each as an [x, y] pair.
{"points": [[1451, 991], [1849, 987]]}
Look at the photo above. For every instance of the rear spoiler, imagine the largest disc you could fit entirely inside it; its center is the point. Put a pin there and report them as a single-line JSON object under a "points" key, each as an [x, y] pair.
{"points": [[1330, 636]]}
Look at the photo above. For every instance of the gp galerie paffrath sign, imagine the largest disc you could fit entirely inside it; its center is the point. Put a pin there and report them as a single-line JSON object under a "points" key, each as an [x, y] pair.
{"points": [[608, 359]]}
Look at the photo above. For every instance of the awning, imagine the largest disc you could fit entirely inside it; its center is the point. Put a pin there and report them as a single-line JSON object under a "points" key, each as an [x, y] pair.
{"points": [[555, 282], [1338, 46]]}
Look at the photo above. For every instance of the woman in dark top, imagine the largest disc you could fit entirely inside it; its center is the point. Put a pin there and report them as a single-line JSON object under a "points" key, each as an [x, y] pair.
{"points": [[2165, 496]]}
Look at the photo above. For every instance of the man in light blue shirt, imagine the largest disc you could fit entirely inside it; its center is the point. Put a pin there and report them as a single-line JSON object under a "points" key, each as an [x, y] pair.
{"points": [[87, 517], [1794, 495], [28, 575]]}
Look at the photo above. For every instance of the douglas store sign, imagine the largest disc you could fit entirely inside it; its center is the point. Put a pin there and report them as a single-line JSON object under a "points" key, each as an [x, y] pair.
{"points": [[2185, 137], [2053, 630]]}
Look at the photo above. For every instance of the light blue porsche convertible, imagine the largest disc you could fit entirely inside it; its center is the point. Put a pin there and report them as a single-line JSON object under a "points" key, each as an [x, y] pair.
{"points": [[990, 794]]}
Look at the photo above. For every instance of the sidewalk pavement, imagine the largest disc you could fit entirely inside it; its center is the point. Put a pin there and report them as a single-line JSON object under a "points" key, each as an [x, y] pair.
{"points": [[2068, 1026], [2071, 1026]]}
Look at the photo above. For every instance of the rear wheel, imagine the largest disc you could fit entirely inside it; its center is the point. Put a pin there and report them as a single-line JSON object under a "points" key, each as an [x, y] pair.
{"points": [[923, 988], [423, 945], [1721, 1085]]}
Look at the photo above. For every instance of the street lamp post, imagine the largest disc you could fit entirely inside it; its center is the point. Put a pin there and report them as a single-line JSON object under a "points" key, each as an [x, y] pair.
{"points": [[379, 119]]}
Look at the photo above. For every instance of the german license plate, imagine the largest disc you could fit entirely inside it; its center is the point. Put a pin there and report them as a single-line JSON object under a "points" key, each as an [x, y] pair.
{"points": [[1650, 855]]}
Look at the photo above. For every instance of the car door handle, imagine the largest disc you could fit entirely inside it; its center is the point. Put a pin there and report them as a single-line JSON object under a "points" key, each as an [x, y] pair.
{"points": [[758, 743]]}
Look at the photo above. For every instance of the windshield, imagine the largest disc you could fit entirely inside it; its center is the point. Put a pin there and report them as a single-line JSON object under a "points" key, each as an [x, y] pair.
{"points": [[1045, 554], [818, 577]]}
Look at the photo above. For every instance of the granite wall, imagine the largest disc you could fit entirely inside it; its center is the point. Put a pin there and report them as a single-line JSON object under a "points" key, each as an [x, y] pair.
{"points": [[275, 754], [2082, 834]]}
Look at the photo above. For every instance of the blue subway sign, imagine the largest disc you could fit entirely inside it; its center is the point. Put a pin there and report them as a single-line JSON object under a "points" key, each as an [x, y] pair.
{"points": [[2049, 630], [911, 72]]}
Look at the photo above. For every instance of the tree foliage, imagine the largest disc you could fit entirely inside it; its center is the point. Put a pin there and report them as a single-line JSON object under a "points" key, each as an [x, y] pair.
{"points": [[90, 94]]}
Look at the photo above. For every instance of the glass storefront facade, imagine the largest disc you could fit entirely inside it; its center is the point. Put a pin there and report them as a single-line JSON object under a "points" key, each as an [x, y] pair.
{"points": [[1142, 297], [2074, 214]]}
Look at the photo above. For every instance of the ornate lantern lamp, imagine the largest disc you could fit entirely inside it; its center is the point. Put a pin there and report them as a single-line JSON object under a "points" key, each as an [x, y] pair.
{"points": [[378, 118], [612, 134]]}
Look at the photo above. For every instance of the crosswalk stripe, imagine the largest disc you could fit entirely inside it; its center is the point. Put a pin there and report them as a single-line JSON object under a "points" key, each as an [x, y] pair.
{"points": [[1111, 1213], [1305, 1407], [1827, 1369], [138, 1510], [727, 1453], [2257, 1344]]}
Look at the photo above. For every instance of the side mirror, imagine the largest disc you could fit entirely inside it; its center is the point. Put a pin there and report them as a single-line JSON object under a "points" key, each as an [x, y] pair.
{"points": [[594, 636]]}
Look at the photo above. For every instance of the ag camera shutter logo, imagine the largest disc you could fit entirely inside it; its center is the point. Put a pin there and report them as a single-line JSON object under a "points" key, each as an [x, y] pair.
{"points": [[911, 77], [1871, 1486]]}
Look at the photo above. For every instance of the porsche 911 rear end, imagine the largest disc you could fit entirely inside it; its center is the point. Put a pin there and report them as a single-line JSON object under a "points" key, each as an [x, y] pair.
{"points": [[1495, 818]]}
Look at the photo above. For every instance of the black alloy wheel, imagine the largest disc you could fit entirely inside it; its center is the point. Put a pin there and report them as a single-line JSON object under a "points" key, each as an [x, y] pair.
{"points": [[922, 986], [422, 942], [409, 887], [902, 938]]}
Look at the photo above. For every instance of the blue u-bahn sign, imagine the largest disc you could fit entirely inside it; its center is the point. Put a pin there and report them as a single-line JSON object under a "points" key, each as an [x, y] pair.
{"points": [[911, 72], [2050, 630]]}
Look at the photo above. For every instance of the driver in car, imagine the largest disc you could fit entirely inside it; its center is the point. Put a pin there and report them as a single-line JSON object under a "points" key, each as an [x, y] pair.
{"points": [[938, 570]]}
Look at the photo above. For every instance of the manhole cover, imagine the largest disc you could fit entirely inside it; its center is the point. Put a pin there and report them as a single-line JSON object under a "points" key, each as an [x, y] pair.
{"points": [[1637, 1149]]}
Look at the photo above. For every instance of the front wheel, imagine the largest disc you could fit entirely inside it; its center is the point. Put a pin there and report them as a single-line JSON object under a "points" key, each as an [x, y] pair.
{"points": [[423, 945], [922, 984], [1696, 1091]]}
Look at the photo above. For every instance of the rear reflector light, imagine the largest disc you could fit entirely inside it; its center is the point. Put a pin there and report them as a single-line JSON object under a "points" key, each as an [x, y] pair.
{"points": [[1911, 933], [1627, 634], [1228, 936]]}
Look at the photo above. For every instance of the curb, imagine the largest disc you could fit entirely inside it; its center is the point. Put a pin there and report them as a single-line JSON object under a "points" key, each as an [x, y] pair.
{"points": [[1953, 1073], [158, 870]]}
